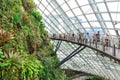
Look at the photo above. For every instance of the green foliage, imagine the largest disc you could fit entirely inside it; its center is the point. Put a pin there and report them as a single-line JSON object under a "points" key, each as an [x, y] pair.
{"points": [[17, 18], [6, 63], [36, 14], [96, 78], [30, 68], [28, 5], [25, 43], [18, 66], [50, 72], [69, 73]]}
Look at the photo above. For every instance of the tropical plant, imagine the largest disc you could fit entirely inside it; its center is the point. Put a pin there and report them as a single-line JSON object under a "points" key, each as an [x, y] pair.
{"points": [[30, 68], [17, 66], [50, 72], [12, 62], [36, 14], [24, 34]]}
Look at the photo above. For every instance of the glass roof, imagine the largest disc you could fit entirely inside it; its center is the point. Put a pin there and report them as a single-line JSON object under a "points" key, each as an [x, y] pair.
{"points": [[74, 16], [64, 16], [88, 61]]}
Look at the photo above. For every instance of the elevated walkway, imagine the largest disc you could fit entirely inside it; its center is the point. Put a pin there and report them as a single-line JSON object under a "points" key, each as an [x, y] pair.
{"points": [[88, 58]]}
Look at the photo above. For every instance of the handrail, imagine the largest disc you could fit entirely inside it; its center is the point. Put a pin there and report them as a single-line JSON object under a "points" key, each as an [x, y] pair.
{"points": [[103, 53]]}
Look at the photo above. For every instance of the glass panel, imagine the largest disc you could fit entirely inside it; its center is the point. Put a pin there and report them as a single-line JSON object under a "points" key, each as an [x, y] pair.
{"points": [[65, 7], [61, 28], [81, 18], [54, 13], [60, 1], [119, 34], [102, 7], [118, 8], [82, 2], [105, 16], [44, 2], [77, 25], [87, 9], [117, 25], [114, 16], [82, 30], [41, 7], [98, 0], [72, 4], [117, 17], [70, 14], [109, 24], [50, 8], [91, 17], [95, 24], [77, 11], [113, 6], [86, 25], [47, 12], [112, 32], [90, 31]]}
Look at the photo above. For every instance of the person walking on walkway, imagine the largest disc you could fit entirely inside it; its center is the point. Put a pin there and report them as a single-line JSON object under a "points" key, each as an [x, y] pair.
{"points": [[107, 39], [94, 38], [86, 38], [79, 38]]}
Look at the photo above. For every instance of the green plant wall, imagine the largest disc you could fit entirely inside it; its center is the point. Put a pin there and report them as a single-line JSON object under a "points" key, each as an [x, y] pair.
{"points": [[24, 43]]}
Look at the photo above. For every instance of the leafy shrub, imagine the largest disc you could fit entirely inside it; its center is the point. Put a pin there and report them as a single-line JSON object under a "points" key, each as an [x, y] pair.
{"points": [[50, 72], [36, 14]]}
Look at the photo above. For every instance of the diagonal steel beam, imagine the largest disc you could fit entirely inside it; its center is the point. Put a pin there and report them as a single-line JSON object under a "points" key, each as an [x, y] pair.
{"points": [[58, 45], [76, 51]]}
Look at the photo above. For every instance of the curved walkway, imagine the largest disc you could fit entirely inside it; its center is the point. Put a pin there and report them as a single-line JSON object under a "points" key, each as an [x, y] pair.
{"points": [[107, 51], [87, 58]]}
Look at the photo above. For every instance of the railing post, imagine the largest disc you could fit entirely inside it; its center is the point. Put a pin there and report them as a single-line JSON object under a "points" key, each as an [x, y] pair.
{"points": [[103, 47], [96, 44], [90, 42], [114, 50]]}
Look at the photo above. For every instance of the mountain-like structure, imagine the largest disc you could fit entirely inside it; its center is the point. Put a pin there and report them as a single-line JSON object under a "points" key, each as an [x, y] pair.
{"points": [[25, 48]]}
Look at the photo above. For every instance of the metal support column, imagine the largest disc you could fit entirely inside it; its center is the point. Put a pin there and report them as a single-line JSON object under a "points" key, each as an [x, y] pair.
{"points": [[58, 45], [114, 50], [71, 55]]}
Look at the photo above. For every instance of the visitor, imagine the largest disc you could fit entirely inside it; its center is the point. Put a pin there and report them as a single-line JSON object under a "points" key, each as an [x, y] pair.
{"points": [[73, 37], [86, 38], [54, 35], [94, 38], [106, 40], [98, 37], [79, 38]]}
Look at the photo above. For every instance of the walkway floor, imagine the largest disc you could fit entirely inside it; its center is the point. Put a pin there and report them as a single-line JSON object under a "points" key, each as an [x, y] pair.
{"points": [[109, 50]]}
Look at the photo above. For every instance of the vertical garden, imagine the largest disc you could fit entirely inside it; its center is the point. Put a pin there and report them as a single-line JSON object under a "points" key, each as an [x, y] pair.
{"points": [[25, 49]]}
